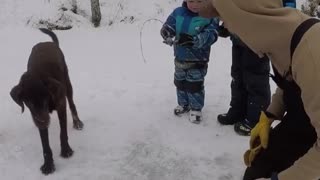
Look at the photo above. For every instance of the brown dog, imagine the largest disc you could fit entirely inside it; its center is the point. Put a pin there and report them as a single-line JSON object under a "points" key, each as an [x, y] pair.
{"points": [[44, 88]]}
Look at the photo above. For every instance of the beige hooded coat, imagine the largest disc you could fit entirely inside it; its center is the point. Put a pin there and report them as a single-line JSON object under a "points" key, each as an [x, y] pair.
{"points": [[267, 28]]}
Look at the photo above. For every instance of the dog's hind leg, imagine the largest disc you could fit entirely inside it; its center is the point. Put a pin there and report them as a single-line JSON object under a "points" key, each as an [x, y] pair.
{"points": [[77, 123], [48, 166], [66, 150]]}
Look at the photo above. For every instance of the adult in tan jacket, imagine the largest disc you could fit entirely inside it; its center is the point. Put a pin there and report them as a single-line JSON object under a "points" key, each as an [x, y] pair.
{"points": [[293, 148]]}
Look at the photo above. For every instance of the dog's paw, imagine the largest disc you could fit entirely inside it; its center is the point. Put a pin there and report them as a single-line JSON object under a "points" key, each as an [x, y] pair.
{"points": [[78, 125], [66, 152], [47, 168]]}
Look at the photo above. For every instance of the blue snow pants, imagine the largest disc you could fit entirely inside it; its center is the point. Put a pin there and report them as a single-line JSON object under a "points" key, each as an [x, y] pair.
{"points": [[189, 81]]}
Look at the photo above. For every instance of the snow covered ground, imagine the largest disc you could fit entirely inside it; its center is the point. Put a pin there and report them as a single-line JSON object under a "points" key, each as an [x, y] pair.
{"points": [[126, 104]]}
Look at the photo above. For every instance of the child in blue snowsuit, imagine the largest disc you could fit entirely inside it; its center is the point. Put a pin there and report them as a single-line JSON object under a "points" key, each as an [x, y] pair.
{"points": [[193, 36]]}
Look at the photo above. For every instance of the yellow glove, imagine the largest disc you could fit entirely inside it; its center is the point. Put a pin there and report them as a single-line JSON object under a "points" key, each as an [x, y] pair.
{"points": [[259, 138], [260, 133], [250, 154]]}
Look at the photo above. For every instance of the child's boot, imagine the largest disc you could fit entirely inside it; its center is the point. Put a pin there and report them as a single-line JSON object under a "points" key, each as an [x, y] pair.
{"points": [[195, 116], [179, 110], [243, 127]]}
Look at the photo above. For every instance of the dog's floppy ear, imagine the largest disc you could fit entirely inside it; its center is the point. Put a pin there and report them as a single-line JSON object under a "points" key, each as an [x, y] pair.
{"points": [[16, 94], [55, 88]]}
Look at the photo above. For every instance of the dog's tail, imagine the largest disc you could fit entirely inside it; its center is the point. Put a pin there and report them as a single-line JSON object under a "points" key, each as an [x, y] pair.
{"points": [[51, 34]]}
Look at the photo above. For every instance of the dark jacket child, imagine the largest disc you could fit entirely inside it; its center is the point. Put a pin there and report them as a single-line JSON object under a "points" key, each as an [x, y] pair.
{"points": [[250, 88]]}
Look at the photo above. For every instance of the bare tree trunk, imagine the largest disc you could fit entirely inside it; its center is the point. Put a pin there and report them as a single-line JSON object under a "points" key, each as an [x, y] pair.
{"points": [[74, 7], [96, 13]]}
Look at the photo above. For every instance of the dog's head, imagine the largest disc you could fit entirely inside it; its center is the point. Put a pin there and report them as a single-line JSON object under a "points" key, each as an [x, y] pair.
{"points": [[38, 95]]}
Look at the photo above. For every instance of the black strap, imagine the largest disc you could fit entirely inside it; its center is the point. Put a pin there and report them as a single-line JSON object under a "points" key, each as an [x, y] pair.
{"points": [[299, 32], [295, 40], [277, 78]]}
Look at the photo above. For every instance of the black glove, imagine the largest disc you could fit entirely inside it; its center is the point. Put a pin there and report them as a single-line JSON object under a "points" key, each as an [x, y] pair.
{"points": [[166, 32], [185, 40], [223, 32]]}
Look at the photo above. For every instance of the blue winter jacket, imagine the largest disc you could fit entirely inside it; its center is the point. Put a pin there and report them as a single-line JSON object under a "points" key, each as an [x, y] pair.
{"points": [[203, 30]]}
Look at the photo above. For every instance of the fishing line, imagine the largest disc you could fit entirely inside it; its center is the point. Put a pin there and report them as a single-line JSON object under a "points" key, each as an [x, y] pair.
{"points": [[144, 23]]}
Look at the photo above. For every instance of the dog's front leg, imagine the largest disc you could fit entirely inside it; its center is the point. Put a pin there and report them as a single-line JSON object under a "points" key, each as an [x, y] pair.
{"points": [[66, 150], [48, 166]]}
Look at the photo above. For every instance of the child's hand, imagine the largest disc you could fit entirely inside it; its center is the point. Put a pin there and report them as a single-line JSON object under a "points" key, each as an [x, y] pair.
{"points": [[169, 41], [166, 32], [185, 40]]}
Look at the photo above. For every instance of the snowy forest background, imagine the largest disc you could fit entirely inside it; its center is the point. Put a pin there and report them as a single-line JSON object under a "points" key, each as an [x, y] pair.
{"points": [[65, 14]]}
